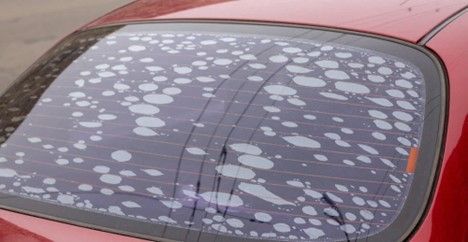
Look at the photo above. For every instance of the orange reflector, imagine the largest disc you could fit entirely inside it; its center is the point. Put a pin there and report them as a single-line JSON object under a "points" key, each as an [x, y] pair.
{"points": [[412, 158]]}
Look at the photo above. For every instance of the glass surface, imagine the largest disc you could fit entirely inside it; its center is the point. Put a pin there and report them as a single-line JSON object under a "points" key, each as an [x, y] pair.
{"points": [[235, 131]]}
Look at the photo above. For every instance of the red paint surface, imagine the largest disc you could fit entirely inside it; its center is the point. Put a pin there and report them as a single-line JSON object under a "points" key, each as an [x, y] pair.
{"points": [[446, 219], [16, 227], [404, 19]]}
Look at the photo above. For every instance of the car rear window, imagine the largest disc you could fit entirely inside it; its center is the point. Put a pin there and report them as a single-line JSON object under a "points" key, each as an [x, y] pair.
{"points": [[218, 132]]}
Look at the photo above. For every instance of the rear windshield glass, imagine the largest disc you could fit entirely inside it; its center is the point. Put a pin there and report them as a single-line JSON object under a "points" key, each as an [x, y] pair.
{"points": [[217, 132]]}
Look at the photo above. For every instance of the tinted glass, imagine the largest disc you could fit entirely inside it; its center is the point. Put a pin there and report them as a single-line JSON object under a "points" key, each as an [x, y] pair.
{"points": [[226, 132]]}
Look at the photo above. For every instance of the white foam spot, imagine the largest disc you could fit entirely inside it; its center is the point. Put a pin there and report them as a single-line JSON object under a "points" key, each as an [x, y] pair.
{"points": [[334, 96], [289, 124], [272, 109], [404, 83], [150, 122], [205, 79], [35, 140], [248, 57], [222, 62], [279, 90], [314, 233], [380, 101], [235, 223], [131, 204], [366, 214], [105, 74], [159, 78], [379, 136], [309, 81], [297, 69], [182, 70], [309, 210], [387, 162], [377, 114], [148, 87], [376, 78], [153, 172], [110, 179], [166, 219], [255, 161], [336, 74], [334, 197], [343, 55], [257, 66], [261, 192], [172, 204], [121, 155], [146, 109], [351, 87], [278, 59], [402, 126], [85, 187], [404, 141], [127, 173], [76, 95], [235, 171], [255, 78], [264, 217], [368, 149], [195, 151], [90, 124], [107, 116], [208, 42], [295, 183], [158, 98], [302, 141], [402, 116], [246, 148], [144, 131], [358, 201], [333, 136], [182, 81], [296, 101], [341, 188], [348, 228], [154, 68], [313, 193], [66, 199], [385, 71], [292, 50], [282, 227], [136, 48], [376, 60], [405, 105], [395, 93], [101, 169], [29, 189], [121, 87], [155, 190], [222, 199], [327, 64]]}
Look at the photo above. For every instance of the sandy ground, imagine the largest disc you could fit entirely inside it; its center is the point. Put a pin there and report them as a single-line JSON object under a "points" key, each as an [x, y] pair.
{"points": [[29, 27]]}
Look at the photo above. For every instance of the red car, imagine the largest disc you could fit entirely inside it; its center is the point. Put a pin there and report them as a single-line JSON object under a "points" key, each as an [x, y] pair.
{"points": [[243, 120]]}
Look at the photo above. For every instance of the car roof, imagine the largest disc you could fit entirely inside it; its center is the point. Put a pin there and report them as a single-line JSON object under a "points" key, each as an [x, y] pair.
{"points": [[408, 20]]}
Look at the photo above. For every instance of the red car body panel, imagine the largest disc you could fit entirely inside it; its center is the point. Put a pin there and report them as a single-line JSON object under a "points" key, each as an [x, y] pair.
{"points": [[407, 20], [16, 227], [446, 218]]}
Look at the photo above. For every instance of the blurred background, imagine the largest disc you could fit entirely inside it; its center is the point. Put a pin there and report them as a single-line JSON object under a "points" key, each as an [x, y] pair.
{"points": [[30, 27]]}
